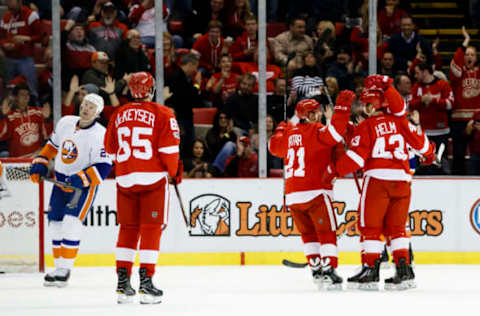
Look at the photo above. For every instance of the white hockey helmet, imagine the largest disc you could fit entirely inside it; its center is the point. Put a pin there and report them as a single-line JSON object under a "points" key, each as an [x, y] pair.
{"points": [[95, 99]]}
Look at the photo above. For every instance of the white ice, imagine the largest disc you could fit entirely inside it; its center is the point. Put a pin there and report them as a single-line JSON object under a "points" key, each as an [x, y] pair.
{"points": [[243, 290]]}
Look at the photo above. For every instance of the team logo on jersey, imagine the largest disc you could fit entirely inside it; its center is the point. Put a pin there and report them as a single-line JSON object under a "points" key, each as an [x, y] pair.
{"points": [[475, 216], [69, 152], [210, 215]]}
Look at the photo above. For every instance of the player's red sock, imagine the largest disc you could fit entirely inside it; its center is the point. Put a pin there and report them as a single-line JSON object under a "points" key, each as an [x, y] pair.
{"points": [[127, 246], [149, 246]]}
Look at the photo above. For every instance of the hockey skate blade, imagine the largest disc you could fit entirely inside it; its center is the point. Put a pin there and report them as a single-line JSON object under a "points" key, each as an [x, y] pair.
{"points": [[150, 299], [333, 287], [49, 284], [61, 284], [125, 299], [370, 286], [352, 285]]}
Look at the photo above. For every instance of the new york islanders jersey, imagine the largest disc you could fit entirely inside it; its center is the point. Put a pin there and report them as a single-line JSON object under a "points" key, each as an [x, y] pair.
{"points": [[379, 145], [307, 150], [144, 139], [78, 148]]}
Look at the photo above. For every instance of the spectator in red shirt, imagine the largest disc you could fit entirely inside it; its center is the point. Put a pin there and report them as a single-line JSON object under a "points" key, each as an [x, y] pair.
{"points": [[107, 34], [77, 51], [272, 72], [465, 80], [432, 98], [223, 84], [142, 14], [19, 29], [211, 46], [473, 134], [389, 18], [244, 164], [236, 18], [245, 45], [23, 126]]}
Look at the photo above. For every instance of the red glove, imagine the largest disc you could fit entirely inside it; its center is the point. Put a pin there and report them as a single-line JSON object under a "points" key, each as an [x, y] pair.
{"points": [[281, 127], [378, 82], [344, 101], [328, 177], [178, 177], [429, 157]]}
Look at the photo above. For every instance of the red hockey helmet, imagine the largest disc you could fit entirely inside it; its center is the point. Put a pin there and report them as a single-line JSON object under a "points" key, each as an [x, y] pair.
{"points": [[374, 97], [306, 106], [141, 85]]}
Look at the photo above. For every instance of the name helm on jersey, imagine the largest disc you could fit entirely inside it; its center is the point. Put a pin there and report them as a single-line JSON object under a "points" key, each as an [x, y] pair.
{"points": [[142, 85], [306, 106]]}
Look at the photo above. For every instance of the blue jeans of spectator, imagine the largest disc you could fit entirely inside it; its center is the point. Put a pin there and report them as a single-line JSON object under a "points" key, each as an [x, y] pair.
{"points": [[474, 164], [22, 66], [227, 150]]}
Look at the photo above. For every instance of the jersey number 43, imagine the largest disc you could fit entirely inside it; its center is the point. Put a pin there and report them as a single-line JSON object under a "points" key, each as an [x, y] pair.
{"points": [[390, 147]]}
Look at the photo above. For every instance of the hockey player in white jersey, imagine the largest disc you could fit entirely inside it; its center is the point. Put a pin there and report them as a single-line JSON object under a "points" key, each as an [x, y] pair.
{"points": [[80, 160]]}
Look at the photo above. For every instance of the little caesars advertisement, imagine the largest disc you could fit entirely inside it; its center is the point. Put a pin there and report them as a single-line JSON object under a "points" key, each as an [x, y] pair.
{"points": [[235, 215]]}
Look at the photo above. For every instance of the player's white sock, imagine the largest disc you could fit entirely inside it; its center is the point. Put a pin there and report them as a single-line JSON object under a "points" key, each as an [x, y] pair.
{"points": [[56, 229], [71, 231]]}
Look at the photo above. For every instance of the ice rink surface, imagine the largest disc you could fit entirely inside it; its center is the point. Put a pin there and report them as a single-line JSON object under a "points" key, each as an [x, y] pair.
{"points": [[243, 290]]}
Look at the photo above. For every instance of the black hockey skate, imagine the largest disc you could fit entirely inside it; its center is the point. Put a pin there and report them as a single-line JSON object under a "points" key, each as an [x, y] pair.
{"points": [[149, 294], [369, 277], [49, 279], [124, 289], [403, 279], [331, 280], [61, 277], [352, 282]]}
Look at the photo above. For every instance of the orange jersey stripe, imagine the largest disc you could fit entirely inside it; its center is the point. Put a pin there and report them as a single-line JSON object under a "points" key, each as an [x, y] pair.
{"points": [[48, 151], [88, 203], [92, 174]]}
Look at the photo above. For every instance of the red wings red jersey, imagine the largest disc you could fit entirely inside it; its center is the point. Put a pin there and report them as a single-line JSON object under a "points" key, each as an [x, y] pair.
{"points": [[466, 86], [379, 145], [433, 117], [143, 138], [307, 150], [25, 131]]}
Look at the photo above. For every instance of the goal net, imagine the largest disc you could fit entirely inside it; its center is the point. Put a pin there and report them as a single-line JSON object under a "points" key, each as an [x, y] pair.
{"points": [[21, 218]]}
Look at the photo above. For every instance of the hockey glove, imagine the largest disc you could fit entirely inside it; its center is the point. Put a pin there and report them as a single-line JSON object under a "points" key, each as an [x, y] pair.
{"points": [[429, 157], [79, 180], [178, 177], [344, 101], [379, 82], [328, 177], [39, 169]]}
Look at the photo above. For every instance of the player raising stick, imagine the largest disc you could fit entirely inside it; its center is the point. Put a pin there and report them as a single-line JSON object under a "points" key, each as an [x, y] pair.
{"points": [[307, 148], [144, 138], [80, 159], [379, 145]]}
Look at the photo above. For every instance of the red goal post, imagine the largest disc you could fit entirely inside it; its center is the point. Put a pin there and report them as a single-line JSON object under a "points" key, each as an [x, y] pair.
{"points": [[21, 218]]}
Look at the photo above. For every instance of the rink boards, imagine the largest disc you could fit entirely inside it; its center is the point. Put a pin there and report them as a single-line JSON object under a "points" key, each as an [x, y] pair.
{"points": [[242, 221]]}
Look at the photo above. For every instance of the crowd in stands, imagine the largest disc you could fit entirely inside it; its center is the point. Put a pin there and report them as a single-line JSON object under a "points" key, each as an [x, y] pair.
{"points": [[314, 49]]}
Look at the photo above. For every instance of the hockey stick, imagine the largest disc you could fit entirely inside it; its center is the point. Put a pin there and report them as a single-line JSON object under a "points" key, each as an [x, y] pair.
{"points": [[292, 264], [357, 183], [76, 196], [182, 208]]}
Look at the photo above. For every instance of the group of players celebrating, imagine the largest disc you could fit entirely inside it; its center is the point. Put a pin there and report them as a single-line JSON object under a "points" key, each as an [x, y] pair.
{"points": [[315, 156], [142, 140]]}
